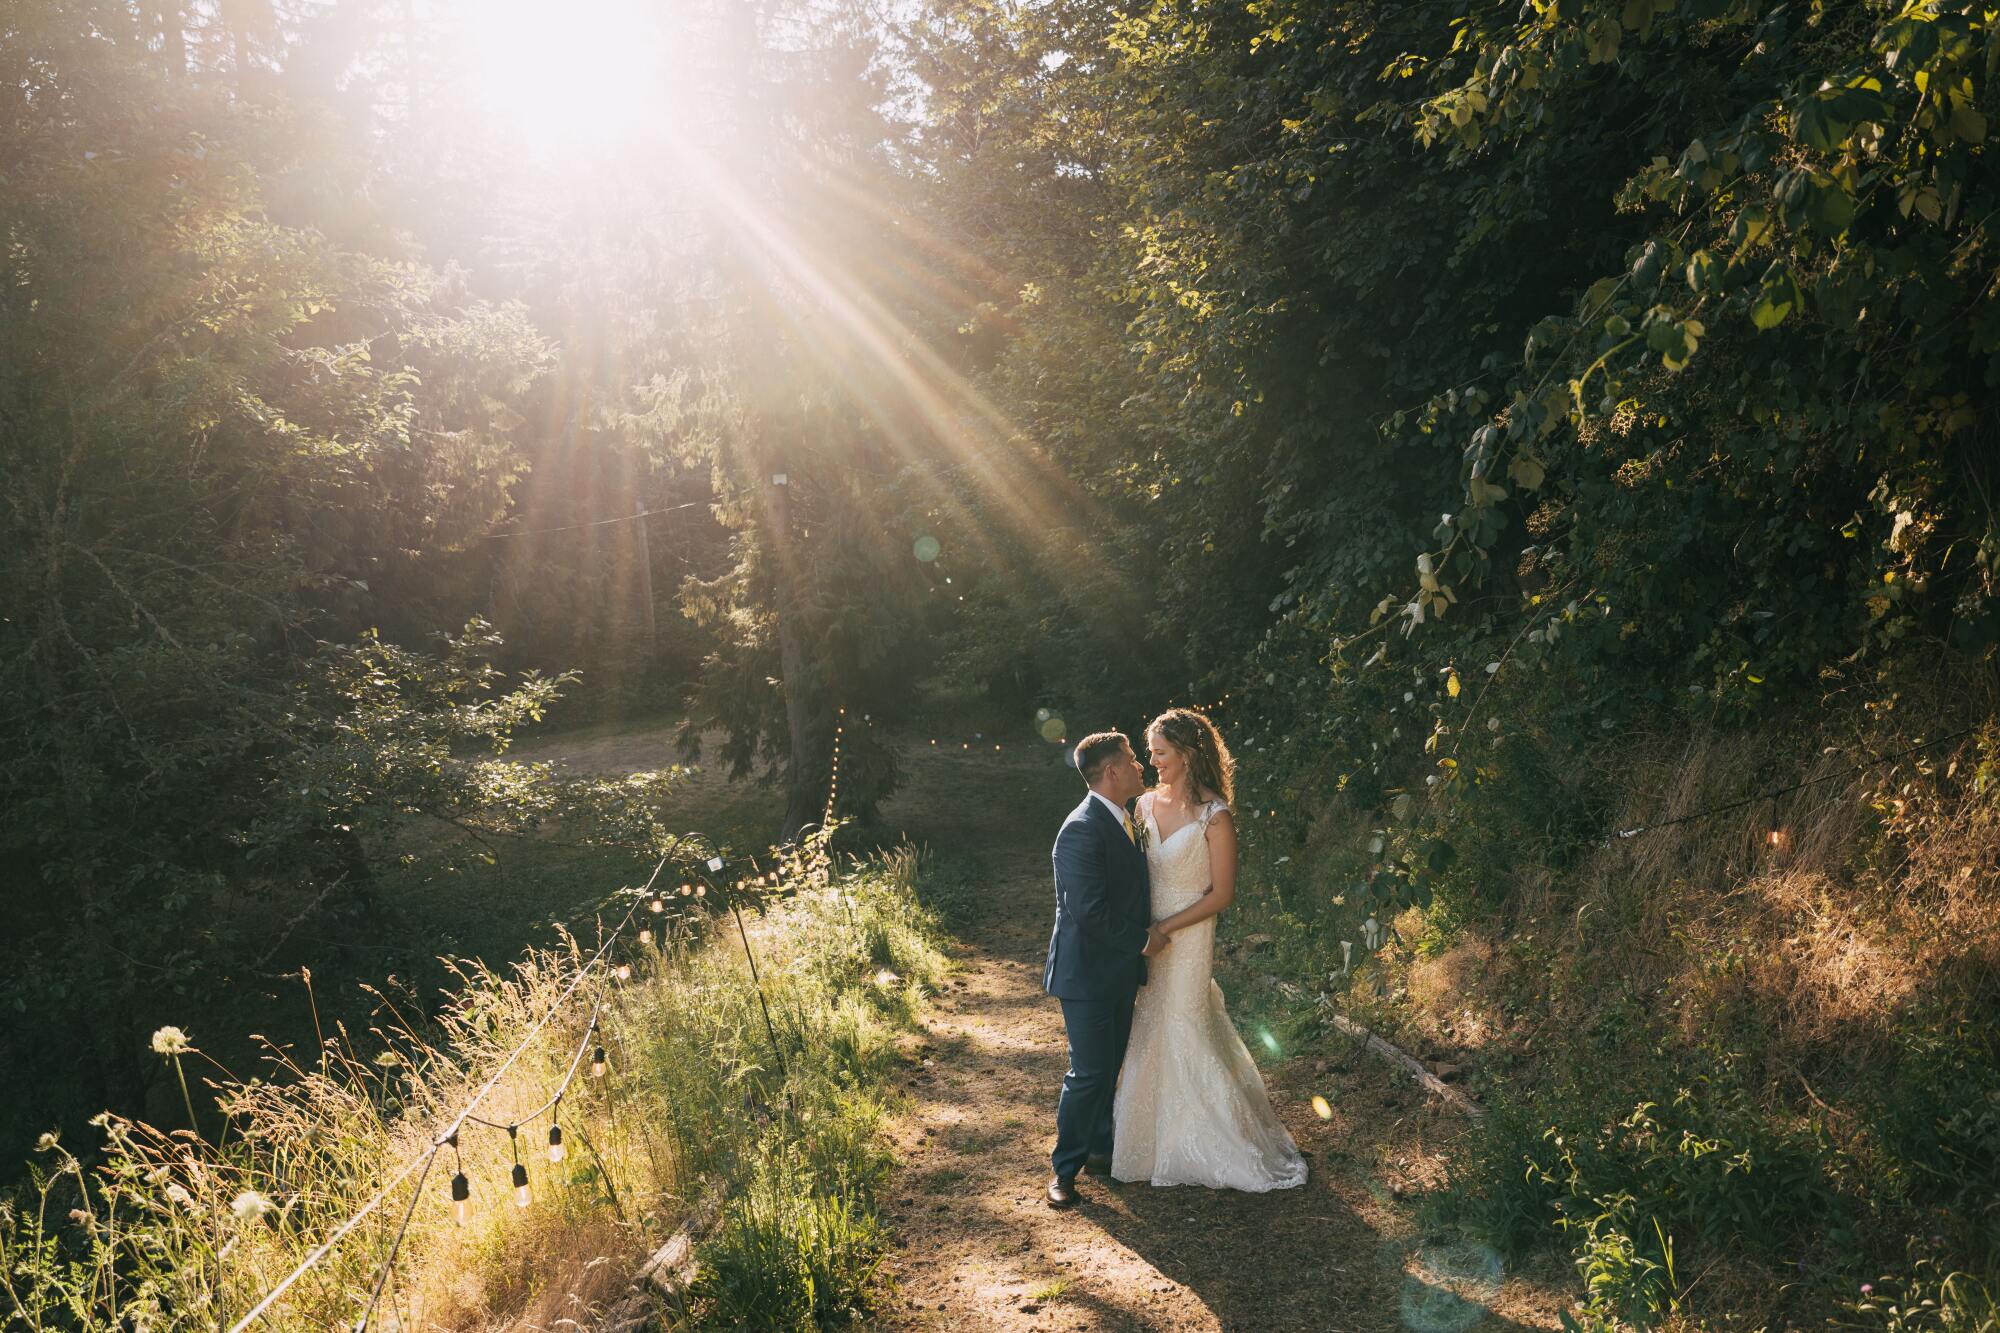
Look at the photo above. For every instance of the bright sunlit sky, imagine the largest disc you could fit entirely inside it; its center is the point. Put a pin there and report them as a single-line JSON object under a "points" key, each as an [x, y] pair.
{"points": [[587, 74], [590, 75]]}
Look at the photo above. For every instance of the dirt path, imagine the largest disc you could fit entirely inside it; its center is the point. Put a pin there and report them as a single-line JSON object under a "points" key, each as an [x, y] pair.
{"points": [[979, 1249]]}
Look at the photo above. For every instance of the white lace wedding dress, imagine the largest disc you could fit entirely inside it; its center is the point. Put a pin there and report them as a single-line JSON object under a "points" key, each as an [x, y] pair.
{"points": [[1191, 1107]]}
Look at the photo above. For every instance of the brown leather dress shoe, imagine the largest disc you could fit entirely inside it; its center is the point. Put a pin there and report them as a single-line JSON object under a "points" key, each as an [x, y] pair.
{"points": [[1098, 1164], [1062, 1191]]}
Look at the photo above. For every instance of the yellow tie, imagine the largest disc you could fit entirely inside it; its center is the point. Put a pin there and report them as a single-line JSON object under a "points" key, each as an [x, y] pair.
{"points": [[1130, 832]]}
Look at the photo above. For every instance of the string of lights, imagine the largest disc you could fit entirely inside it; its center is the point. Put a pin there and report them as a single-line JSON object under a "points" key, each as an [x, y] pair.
{"points": [[421, 1165], [978, 742], [833, 783], [809, 861], [1776, 835], [1207, 710]]}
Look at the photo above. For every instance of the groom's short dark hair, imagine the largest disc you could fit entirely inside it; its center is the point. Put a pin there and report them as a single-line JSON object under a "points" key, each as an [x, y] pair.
{"points": [[1094, 751]]}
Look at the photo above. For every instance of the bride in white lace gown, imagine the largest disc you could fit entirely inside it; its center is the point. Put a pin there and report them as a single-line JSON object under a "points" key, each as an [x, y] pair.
{"points": [[1191, 1108]]}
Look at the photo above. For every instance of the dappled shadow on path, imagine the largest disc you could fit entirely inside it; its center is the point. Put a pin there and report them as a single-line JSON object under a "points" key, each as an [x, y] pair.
{"points": [[979, 1249]]}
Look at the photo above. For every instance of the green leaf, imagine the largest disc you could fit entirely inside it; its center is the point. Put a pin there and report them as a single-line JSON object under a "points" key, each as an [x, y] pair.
{"points": [[1817, 125], [1777, 297], [1967, 123], [1752, 225], [1701, 272], [1604, 34], [1830, 208]]}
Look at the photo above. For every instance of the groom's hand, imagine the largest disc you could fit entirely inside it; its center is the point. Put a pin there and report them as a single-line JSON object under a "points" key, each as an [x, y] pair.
{"points": [[1156, 941]]}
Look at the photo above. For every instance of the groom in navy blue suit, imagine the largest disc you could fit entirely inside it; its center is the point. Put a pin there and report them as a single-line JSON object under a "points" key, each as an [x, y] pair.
{"points": [[1097, 955]]}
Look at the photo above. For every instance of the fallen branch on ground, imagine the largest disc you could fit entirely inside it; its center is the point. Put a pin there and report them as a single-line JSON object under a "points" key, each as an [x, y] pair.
{"points": [[1395, 1055]]}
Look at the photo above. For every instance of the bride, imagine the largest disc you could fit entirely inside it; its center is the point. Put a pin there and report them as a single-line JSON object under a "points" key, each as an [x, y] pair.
{"points": [[1191, 1107]]}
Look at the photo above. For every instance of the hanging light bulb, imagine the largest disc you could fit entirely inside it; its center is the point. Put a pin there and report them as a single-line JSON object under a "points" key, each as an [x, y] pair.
{"points": [[461, 1196], [556, 1150], [1777, 837], [597, 1063], [657, 906], [701, 890], [624, 971], [645, 934], [522, 1196], [686, 889]]}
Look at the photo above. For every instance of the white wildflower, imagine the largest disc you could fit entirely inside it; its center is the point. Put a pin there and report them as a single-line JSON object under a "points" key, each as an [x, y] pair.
{"points": [[171, 1041]]}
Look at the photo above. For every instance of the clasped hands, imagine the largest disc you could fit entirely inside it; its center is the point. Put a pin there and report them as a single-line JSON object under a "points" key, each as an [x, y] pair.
{"points": [[1156, 942]]}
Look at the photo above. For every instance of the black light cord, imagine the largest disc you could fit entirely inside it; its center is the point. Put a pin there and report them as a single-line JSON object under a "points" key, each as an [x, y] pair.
{"points": [[396, 1245], [1774, 793]]}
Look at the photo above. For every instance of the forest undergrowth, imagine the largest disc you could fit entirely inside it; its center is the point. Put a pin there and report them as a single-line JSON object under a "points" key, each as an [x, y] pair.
{"points": [[1743, 1067]]}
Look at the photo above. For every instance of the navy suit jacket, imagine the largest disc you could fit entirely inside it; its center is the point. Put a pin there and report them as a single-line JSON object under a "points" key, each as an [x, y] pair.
{"points": [[1104, 907]]}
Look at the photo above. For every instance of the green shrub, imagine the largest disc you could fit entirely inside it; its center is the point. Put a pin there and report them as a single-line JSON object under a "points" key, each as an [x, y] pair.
{"points": [[1625, 1281], [1701, 1164], [797, 1249], [1937, 1119], [1930, 1298]]}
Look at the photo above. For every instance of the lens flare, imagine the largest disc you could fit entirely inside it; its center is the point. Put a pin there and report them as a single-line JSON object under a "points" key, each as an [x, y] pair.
{"points": [[926, 548], [1447, 1286], [1322, 1108]]}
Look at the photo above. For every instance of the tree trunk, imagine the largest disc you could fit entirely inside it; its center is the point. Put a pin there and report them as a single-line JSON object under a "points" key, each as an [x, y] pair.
{"points": [[803, 788], [172, 25]]}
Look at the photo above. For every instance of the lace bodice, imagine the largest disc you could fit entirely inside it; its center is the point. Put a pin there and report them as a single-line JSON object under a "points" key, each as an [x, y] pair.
{"points": [[1178, 865]]}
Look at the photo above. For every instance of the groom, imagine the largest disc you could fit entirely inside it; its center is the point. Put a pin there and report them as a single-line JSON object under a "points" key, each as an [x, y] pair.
{"points": [[1103, 934]]}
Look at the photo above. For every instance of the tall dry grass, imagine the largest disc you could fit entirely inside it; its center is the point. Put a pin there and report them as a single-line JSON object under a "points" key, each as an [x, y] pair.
{"points": [[169, 1229], [1776, 1050], [1875, 900]]}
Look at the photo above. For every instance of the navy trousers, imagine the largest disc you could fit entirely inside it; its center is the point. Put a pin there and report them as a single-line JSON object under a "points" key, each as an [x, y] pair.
{"points": [[1098, 1031]]}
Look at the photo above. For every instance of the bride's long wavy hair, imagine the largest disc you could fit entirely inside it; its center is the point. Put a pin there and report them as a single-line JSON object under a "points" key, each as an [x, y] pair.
{"points": [[1210, 764]]}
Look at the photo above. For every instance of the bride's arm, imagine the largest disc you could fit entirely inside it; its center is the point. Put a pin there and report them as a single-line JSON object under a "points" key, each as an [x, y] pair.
{"points": [[1221, 876]]}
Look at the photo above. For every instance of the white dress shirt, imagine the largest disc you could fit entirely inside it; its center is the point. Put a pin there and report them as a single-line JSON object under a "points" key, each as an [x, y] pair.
{"points": [[1112, 806]]}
